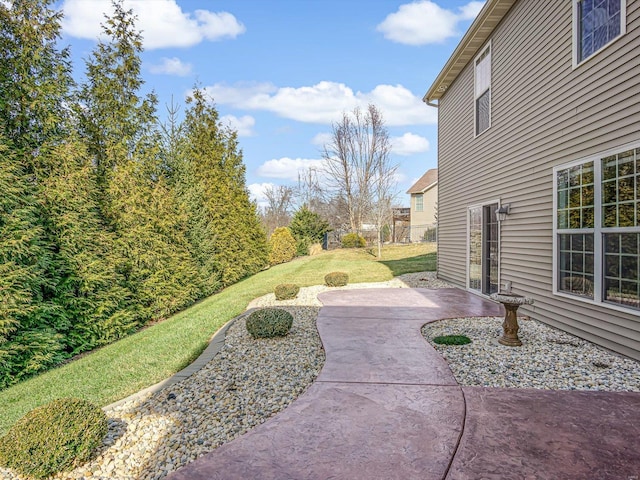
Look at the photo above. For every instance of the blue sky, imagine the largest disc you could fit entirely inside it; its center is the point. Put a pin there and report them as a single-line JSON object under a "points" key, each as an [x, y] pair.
{"points": [[281, 71]]}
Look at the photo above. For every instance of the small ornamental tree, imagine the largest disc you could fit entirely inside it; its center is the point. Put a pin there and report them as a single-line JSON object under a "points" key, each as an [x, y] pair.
{"points": [[308, 225], [282, 246]]}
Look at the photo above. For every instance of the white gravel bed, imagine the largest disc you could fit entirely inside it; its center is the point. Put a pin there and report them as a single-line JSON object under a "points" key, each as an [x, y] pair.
{"points": [[309, 295], [247, 382], [548, 358], [250, 380]]}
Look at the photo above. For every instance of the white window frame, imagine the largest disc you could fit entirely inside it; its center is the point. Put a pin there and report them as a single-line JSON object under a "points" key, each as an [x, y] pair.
{"points": [[576, 32], [475, 94], [597, 230], [421, 196]]}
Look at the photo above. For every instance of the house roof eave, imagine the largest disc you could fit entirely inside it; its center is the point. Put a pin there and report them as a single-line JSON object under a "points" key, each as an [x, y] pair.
{"points": [[479, 32], [429, 187]]}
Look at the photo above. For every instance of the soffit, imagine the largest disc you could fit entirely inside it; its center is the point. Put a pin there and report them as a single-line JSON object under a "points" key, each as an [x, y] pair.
{"points": [[477, 35]]}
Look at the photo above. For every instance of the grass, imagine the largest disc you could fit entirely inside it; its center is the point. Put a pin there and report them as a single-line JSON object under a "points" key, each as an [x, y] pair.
{"points": [[153, 354], [452, 340]]}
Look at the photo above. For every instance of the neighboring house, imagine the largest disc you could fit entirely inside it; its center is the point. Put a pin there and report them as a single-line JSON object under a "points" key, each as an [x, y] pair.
{"points": [[539, 109], [424, 204]]}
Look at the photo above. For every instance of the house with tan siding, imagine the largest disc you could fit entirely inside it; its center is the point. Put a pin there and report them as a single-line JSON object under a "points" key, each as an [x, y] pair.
{"points": [[424, 205], [539, 117]]}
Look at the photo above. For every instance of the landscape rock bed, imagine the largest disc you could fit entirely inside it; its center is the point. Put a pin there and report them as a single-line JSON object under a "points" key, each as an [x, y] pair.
{"points": [[548, 358], [249, 381]]}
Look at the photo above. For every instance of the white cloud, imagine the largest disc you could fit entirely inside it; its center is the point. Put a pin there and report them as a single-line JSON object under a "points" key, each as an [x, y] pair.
{"points": [[237, 94], [163, 24], [424, 22], [256, 192], [471, 10], [324, 102], [408, 144], [321, 139], [243, 125], [288, 168], [171, 66]]}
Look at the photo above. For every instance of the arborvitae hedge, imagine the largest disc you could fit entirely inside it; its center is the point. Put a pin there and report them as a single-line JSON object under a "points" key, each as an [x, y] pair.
{"points": [[105, 225]]}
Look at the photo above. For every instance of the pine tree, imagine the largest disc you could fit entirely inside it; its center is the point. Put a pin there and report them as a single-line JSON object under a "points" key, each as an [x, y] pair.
{"points": [[96, 305], [114, 119]]}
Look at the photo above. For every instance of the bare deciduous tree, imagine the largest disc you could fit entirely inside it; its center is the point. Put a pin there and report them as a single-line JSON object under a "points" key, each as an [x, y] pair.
{"points": [[277, 212], [358, 167]]}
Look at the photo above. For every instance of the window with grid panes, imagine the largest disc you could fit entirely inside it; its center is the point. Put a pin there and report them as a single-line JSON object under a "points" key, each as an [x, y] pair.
{"points": [[597, 23], [600, 230]]}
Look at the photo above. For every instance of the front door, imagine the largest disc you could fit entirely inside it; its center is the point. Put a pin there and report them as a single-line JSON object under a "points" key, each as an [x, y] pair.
{"points": [[483, 253]]}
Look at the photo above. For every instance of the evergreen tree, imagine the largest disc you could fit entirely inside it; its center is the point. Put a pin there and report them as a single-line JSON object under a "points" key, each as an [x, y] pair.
{"points": [[309, 225], [27, 345], [114, 119], [35, 81], [224, 228], [135, 198], [96, 306]]}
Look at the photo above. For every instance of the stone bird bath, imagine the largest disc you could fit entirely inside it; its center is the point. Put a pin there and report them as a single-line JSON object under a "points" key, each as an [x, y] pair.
{"points": [[510, 327]]}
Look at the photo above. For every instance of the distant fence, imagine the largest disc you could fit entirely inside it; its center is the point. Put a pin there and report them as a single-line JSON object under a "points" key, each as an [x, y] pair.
{"points": [[423, 233], [401, 234]]}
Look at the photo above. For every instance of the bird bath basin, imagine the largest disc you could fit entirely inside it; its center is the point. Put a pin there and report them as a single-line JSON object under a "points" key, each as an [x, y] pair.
{"points": [[510, 327]]}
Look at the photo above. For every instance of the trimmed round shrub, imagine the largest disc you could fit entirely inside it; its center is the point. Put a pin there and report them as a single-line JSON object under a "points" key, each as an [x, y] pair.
{"points": [[286, 291], [353, 240], [336, 279], [55, 437], [452, 340], [282, 246], [269, 322]]}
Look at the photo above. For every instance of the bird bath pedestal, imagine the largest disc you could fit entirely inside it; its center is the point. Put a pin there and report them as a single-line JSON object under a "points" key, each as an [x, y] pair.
{"points": [[510, 327]]}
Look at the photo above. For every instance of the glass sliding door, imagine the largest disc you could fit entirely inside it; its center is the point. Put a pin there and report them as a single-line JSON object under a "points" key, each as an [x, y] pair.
{"points": [[475, 248], [483, 249]]}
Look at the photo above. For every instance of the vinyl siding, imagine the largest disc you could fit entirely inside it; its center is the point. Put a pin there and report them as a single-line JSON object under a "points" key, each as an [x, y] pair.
{"points": [[428, 214], [543, 113]]}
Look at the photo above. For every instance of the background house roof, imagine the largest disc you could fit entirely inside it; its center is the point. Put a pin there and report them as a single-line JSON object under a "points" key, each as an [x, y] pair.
{"points": [[427, 180], [479, 31]]}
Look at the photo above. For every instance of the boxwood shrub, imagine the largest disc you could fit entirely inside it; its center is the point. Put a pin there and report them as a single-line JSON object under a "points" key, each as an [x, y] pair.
{"points": [[55, 437], [286, 291], [336, 279], [269, 322]]}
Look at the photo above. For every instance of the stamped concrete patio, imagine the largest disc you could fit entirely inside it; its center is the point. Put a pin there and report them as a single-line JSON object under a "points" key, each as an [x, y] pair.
{"points": [[386, 406]]}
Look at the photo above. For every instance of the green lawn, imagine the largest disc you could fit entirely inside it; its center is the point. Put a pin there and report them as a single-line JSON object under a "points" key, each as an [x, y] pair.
{"points": [[157, 352]]}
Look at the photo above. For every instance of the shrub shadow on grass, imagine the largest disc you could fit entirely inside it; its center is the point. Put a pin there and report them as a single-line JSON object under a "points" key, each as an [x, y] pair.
{"points": [[419, 263]]}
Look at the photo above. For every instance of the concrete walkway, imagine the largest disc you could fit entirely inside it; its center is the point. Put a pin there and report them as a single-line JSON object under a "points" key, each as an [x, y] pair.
{"points": [[386, 406]]}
